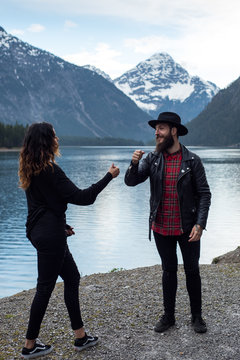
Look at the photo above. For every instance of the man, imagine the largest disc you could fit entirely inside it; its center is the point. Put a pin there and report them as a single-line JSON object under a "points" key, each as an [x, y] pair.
{"points": [[179, 204]]}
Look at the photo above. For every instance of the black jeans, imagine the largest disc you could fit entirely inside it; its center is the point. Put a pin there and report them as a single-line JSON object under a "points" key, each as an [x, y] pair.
{"points": [[54, 258], [167, 246]]}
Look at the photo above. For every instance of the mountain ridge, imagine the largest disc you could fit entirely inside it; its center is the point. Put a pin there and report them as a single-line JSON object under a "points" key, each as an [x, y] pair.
{"points": [[39, 86]]}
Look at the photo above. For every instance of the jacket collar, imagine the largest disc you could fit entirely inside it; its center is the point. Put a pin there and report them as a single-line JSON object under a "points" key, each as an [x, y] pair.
{"points": [[186, 154]]}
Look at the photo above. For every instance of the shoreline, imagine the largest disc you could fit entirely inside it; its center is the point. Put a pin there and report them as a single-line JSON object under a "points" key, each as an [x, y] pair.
{"points": [[13, 149], [16, 149], [231, 257], [122, 307]]}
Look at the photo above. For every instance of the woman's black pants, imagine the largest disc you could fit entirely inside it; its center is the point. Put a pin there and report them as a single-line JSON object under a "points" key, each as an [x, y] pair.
{"points": [[167, 248], [54, 259]]}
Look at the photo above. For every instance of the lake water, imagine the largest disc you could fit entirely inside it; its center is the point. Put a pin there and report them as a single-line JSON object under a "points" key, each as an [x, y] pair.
{"points": [[113, 232]]}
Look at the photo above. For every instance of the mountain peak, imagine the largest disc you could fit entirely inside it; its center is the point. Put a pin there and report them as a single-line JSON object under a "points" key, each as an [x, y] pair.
{"points": [[4, 38], [2, 30], [98, 71], [161, 55], [158, 60], [160, 84]]}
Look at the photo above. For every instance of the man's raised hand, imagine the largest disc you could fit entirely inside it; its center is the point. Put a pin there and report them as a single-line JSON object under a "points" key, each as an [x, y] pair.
{"points": [[137, 155]]}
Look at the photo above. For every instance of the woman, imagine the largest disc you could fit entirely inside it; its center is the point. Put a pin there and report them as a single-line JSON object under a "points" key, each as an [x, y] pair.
{"points": [[48, 191]]}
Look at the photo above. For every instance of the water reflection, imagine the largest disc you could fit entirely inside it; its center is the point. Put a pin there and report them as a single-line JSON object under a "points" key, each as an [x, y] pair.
{"points": [[114, 231]]}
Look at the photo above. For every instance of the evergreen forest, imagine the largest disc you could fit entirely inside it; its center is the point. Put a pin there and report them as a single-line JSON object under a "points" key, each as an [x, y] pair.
{"points": [[11, 135]]}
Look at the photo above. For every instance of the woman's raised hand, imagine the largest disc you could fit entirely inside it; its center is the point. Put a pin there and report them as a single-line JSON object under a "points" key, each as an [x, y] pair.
{"points": [[114, 170]]}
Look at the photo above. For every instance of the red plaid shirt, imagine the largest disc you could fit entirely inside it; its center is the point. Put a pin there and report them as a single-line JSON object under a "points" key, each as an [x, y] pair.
{"points": [[168, 219]]}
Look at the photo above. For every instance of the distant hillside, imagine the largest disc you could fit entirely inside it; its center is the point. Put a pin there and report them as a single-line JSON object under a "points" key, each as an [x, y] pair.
{"points": [[38, 86], [219, 123], [106, 141]]}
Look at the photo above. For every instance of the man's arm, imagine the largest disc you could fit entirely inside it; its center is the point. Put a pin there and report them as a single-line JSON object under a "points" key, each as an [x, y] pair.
{"points": [[203, 193], [137, 172]]}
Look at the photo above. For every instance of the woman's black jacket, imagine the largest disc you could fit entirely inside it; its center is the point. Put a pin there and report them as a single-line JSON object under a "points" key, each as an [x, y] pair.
{"points": [[192, 187], [53, 190]]}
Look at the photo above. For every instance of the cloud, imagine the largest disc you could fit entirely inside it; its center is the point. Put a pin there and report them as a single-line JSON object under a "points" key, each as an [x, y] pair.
{"points": [[206, 47], [151, 44], [33, 28], [70, 24], [103, 57], [153, 11], [36, 28], [158, 12]]}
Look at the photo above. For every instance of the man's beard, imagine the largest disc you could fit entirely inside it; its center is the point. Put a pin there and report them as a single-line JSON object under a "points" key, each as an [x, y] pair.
{"points": [[165, 144]]}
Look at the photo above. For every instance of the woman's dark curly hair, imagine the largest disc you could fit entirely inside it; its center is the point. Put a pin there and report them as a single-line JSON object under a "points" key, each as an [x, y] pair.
{"points": [[40, 146]]}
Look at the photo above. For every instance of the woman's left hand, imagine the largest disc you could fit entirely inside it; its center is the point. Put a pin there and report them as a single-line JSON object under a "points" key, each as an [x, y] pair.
{"points": [[114, 171], [70, 231]]}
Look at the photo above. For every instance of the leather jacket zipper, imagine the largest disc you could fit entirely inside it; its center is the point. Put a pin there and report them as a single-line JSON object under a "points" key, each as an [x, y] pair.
{"points": [[183, 172]]}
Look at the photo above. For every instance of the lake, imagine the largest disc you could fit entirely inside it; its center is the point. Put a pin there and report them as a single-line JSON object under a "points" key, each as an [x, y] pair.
{"points": [[113, 232]]}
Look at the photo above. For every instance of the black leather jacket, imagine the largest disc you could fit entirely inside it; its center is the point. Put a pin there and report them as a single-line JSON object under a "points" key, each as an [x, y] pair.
{"points": [[192, 187]]}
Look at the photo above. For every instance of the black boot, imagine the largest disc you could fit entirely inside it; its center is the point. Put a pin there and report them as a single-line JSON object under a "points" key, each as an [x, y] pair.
{"points": [[198, 324]]}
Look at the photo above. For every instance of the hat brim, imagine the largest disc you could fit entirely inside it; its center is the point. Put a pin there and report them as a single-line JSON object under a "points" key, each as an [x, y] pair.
{"points": [[182, 130]]}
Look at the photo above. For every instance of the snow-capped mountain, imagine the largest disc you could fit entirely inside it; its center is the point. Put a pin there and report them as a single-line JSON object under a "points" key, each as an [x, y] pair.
{"points": [[39, 86], [98, 71], [160, 84]]}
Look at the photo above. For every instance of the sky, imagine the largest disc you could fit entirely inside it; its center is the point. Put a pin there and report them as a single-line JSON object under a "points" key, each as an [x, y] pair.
{"points": [[115, 35]]}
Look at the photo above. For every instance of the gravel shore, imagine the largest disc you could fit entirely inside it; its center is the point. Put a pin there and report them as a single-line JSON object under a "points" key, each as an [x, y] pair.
{"points": [[122, 307]]}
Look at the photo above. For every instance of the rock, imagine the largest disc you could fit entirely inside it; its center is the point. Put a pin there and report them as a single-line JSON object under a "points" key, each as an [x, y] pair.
{"points": [[232, 257]]}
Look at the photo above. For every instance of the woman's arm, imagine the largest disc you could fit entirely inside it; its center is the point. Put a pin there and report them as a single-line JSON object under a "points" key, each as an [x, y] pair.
{"points": [[72, 194]]}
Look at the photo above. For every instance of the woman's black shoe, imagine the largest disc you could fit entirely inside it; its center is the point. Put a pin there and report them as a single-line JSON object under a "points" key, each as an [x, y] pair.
{"points": [[85, 342], [164, 323], [38, 350]]}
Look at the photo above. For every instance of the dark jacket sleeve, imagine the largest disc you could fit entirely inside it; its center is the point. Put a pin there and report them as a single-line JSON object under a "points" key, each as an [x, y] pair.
{"points": [[137, 173], [70, 193], [202, 191]]}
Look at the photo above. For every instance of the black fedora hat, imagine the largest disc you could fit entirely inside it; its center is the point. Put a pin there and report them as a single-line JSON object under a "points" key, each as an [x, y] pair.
{"points": [[172, 118]]}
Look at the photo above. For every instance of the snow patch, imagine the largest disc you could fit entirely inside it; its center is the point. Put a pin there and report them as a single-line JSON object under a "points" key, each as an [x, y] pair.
{"points": [[3, 42], [144, 106], [125, 88], [148, 85], [177, 91], [33, 52], [60, 64]]}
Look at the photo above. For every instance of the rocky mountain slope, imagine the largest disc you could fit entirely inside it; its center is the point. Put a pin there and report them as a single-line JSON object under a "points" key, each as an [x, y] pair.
{"points": [[219, 123], [38, 86]]}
